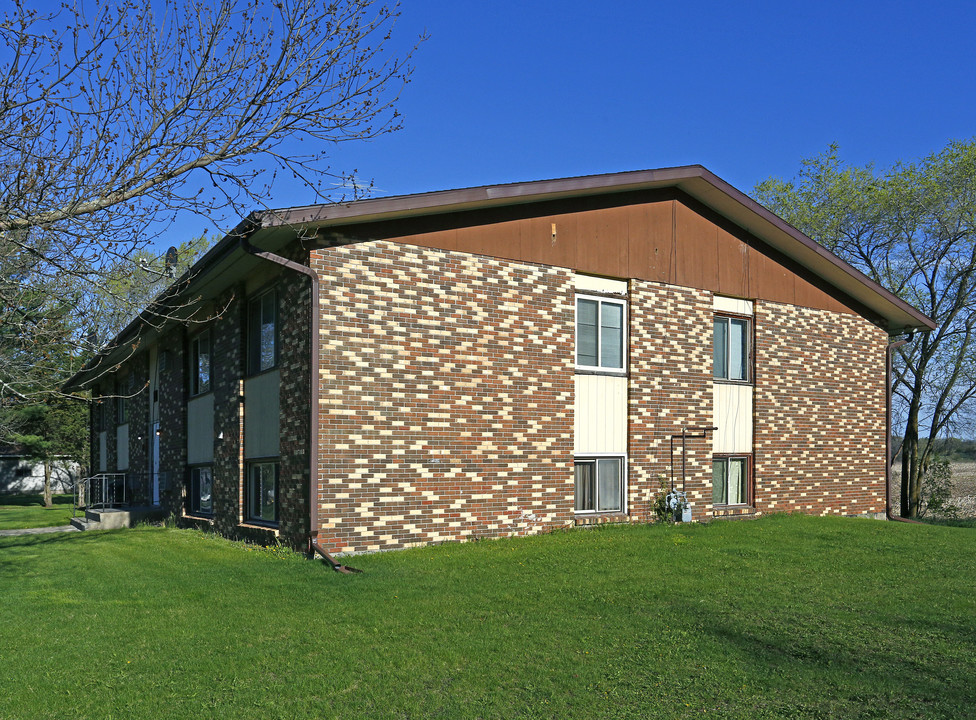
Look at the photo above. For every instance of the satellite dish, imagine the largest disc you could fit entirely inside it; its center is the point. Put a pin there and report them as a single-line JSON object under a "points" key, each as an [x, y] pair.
{"points": [[172, 256]]}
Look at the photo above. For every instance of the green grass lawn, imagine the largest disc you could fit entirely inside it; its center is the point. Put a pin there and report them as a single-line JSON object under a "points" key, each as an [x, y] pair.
{"points": [[28, 511], [784, 617]]}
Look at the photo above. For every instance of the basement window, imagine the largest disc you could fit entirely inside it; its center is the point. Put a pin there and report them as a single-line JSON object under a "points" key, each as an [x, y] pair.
{"points": [[200, 492], [599, 484], [730, 480], [262, 492]]}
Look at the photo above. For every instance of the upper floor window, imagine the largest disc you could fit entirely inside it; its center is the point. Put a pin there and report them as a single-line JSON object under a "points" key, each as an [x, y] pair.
{"points": [[200, 364], [732, 348], [122, 391], [262, 332], [600, 333]]}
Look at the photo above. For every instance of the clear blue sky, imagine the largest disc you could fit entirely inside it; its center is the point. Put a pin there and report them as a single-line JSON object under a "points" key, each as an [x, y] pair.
{"points": [[510, 91]]}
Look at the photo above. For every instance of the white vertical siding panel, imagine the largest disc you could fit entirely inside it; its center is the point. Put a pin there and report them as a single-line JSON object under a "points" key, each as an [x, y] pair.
{"points": [[601, 414], [733, 418]]}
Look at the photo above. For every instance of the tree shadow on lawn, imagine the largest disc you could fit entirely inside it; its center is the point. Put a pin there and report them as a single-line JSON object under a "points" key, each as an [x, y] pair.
{"points": [[11, 561], [899, 669], [32, 500]]}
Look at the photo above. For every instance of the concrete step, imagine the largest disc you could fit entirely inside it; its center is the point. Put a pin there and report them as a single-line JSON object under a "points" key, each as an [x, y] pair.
{"points": [[114, 518]]}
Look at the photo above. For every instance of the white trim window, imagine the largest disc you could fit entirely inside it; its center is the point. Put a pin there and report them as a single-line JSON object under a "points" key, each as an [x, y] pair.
{"points": [[732, 348], [600, 484], [600, 336]]}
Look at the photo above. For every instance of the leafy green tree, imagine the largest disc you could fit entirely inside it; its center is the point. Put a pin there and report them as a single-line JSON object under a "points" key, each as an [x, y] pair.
{"points": [[912, 229], [56, 428]]}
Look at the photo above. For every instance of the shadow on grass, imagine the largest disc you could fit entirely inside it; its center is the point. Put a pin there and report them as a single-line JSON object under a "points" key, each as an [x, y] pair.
{"points": [[958, 522], [32, 500], [903, 670]]}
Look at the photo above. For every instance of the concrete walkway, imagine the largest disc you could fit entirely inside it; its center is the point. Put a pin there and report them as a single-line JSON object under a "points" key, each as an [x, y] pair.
{"points": [[39, 531]]}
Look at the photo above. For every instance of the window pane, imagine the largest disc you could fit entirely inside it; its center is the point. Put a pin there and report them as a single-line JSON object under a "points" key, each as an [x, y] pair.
{"points": [[737, 481], [612, 335], [585, 485], [721, 347], [738, 350], [718, 482], [205, 485], [268, 493], [608, 474], [203, 364], [268, 331], [586, 332]]}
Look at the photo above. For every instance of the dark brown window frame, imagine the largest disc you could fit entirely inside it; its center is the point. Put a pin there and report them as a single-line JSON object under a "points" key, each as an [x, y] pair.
{"points": [[249, 517], [190, 510], [195, 390], [750, 350], [253, 359], [750, 480]]}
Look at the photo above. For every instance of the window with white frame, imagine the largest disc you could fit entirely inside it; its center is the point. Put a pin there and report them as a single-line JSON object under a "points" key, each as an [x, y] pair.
{"points": [[262, 332], [732, 348], [200, 364], [200, 492], [730, 480], [599, 484], [262, 492], [600, 324]]}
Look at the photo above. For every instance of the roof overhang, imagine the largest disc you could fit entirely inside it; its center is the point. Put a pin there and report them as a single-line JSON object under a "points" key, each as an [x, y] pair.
{"points": [[226, 263]]}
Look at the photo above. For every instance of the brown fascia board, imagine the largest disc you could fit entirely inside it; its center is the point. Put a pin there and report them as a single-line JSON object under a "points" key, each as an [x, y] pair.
{"points": [[695, 180]]}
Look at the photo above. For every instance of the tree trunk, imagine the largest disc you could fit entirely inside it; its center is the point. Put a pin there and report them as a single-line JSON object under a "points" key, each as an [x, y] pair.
{"points": [[48, 500], [909, 465]]}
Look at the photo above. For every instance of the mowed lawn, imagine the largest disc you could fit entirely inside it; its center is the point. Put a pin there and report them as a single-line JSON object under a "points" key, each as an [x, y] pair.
{"points": [[784, 617], [28, 511]]}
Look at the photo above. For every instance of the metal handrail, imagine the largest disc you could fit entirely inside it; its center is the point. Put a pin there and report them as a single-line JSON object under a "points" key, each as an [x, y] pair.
{"points": [[114, 490]]}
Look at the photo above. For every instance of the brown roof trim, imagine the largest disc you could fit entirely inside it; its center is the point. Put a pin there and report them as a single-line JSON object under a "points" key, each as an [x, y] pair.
{"points": [[695, 180]]}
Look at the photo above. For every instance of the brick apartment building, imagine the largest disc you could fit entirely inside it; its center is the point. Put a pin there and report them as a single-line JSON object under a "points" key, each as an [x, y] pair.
{"points": [[503, 360]]}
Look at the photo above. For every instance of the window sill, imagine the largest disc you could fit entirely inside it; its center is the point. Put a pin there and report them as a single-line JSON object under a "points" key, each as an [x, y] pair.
{"points": [[593, 518], [725, 381], [255, 525], [733, 511], [600, 371]]}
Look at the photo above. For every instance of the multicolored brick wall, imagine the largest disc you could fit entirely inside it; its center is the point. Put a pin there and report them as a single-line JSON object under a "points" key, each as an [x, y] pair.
{"points": [[819, 411], [446, 397], [173, 394], [670, 390], [227, 365], [294, 311]]}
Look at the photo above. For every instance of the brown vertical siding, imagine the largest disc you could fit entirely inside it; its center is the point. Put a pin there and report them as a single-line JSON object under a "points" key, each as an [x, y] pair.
{"points": [[662, 237]]}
